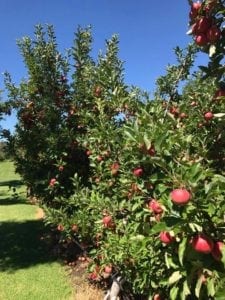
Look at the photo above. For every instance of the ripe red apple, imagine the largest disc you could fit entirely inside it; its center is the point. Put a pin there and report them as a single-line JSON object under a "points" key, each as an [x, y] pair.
{"points": [[208, 116], [201, 39], [138, 172], [180, 196], [195, 7], [98, 91], [93, 276], [52, 182], [183, 115], [108, 269], [166, 237], [88, 152], [213, 34], [115, 168], [174, 110], [107, 221], [60, 227], [217, 250], [219, 93], [61, 168], [151, 151], [74, 227], [99, 158], [155, 206], [201, 25], [157, 297], [202, 243]]}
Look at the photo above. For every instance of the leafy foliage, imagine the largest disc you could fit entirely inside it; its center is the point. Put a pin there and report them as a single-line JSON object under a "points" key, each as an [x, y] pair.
{"points": [[105, 160]]}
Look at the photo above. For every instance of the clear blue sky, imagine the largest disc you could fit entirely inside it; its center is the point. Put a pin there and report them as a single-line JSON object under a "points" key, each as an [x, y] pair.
{"points": [[148, 31]]}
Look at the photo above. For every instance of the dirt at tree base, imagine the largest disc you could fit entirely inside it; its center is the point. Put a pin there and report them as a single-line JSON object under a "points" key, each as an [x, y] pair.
{"points": [[83, 290], [40, 214]]}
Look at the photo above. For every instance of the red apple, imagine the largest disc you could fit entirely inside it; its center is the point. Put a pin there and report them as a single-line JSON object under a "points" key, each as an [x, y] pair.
{"points": [[166, 237], [60, 227], [52, 182], [98, 91], [208, 116], [202, 243], [93, 276], [180, 196], [61, 168], [88, 152], [183, 115], [201, 40], [217, 248], [99, 158], [213, 34], [108, 269], [74, 227], [138, 172], [151, 151], [155, 206], [107, 221], [157, 297], [219, 93], [115, 168], [174, 110], [201, 25], [195, 7]]}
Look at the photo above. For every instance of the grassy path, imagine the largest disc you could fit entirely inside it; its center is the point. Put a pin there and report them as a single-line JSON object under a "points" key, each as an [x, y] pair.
{"points": [[27, 271]]}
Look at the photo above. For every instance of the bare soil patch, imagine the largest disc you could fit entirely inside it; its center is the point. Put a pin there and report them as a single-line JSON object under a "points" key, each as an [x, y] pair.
{"points": [[40, 213], [83, 289]]}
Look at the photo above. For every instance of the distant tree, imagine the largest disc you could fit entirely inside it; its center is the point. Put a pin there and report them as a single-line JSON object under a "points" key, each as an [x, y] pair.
{"points": [[3, 150]]}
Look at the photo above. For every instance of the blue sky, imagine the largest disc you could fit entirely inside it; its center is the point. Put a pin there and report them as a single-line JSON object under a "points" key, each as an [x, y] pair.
{"points": [[148, 31]]}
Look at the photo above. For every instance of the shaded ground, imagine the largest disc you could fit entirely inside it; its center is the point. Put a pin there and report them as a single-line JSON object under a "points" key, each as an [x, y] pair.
{"points": [[21, 246], [28, 268]]}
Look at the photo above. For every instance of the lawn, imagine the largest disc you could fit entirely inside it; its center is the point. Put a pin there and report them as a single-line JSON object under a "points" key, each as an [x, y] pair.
{"points": [[27, 268]]}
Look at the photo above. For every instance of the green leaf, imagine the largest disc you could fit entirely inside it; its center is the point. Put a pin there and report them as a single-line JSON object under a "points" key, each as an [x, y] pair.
{"points": [[181, 250], [203, 68], [158, 227], [130, 134], [147, 141], [172, 221], [174, 293], [219, 115], [219, 178], [176, 276], [169, 262], [212, 50], [198, 287], [138, 237], [189, 138], [186, 291], [210, 287], [223, 255], [219, 295]]}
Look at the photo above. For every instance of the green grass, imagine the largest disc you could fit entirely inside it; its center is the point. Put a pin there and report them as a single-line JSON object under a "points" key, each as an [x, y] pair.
{"points": [[27, 270]]}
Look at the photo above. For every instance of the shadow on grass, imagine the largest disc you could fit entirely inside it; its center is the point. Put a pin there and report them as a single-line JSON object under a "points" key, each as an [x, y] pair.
{"points": [[11, 183], [13, 201], [22, 245]]}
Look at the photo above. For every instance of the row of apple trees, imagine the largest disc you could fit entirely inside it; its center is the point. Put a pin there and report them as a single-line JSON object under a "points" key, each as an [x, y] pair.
{"points": [[138, 183]]}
